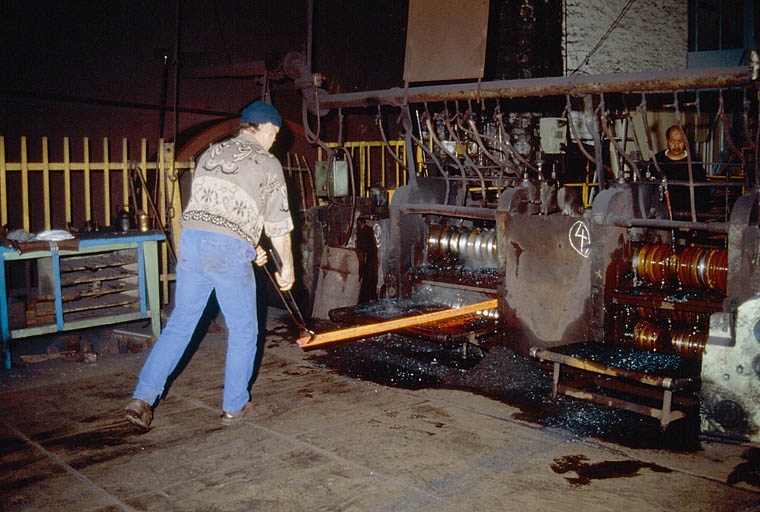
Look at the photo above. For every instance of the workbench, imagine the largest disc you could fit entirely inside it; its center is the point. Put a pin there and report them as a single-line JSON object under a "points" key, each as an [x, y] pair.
{"points": [[96, 279]]}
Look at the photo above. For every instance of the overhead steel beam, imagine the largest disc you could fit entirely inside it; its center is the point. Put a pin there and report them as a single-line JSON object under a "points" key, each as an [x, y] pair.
{"points": [[575, 85]]}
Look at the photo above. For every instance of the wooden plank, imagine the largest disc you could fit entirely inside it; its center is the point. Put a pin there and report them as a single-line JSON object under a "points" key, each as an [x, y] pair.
{"points": [[104, 274], [46, 182], [3, 184], [112, 259], [67, 179], [25, 186], [392, 325], [97, 289], [100, 302], [106, 184], [87, 180]]}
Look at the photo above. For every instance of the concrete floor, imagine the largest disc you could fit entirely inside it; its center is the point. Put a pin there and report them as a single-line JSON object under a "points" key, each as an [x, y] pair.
{"points": [[329, 443]]}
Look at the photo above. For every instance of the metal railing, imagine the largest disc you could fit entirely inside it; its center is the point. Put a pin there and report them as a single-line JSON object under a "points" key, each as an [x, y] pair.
{"points": [[43, 192], [373, 163]]}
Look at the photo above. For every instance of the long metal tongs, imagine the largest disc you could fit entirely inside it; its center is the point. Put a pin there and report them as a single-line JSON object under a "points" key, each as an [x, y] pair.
{"points": [[287, 297]]}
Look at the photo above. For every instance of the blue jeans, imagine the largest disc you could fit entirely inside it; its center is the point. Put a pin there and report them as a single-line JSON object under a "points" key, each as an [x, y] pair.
{"points": [[208, 261]]}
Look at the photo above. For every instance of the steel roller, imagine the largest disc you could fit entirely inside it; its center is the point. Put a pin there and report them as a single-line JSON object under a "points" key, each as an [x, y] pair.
{"points": [[476, 246]]}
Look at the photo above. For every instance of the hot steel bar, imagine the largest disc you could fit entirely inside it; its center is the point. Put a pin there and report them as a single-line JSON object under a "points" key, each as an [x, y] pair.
{"points": [[575, 85], [392, 325]]}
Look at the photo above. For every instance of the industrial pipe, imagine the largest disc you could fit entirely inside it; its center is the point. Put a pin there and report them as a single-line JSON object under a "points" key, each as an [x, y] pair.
{"points": [[575, 85], [629, 222], [450, 211]]}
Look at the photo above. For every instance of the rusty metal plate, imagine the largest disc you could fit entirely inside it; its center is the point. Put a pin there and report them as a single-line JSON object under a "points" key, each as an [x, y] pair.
{"points": [[446, 40], [339, 283]]}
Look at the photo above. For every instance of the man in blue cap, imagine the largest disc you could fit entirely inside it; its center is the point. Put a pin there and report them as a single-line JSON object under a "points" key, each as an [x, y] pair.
{"points": [[238, 191]]}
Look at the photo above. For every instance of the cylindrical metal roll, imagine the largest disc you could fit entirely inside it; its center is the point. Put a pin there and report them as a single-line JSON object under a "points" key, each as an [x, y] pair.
{"points": [[450, 247], [434, 239], [475, 246], [688, 343], [692, 267], [472, 242], [647, 335], [653, 263]]}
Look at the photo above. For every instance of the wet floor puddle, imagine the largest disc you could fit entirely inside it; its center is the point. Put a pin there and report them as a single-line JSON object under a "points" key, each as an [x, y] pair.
{"points": [[587, 472]]}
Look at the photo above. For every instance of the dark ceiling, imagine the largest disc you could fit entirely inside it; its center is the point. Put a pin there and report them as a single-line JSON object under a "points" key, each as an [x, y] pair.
{"points": [[107, 69]]}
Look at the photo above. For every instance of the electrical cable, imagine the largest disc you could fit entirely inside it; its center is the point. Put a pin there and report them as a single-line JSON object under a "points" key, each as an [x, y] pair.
{"points": [[620, 150], [473, 132], [451, 155], [468, 160], [689, 163]]}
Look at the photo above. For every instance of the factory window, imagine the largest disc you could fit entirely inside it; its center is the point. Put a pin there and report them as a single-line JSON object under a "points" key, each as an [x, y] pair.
{"points": [[721, 32]]}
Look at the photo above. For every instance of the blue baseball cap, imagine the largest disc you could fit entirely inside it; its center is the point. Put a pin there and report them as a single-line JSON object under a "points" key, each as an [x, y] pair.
{"points": [[259, 112]]}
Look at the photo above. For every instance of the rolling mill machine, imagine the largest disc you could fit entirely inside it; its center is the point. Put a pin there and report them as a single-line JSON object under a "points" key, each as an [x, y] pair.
{"points": [[537, 200]]}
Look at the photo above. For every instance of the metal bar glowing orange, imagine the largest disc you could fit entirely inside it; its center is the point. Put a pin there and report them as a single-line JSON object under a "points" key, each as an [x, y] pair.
{"points": [[359, 331]]}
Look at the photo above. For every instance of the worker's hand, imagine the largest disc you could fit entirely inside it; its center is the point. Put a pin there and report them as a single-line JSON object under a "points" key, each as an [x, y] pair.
{"points": [[261, 256], [285, 275], [285, 278]]}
